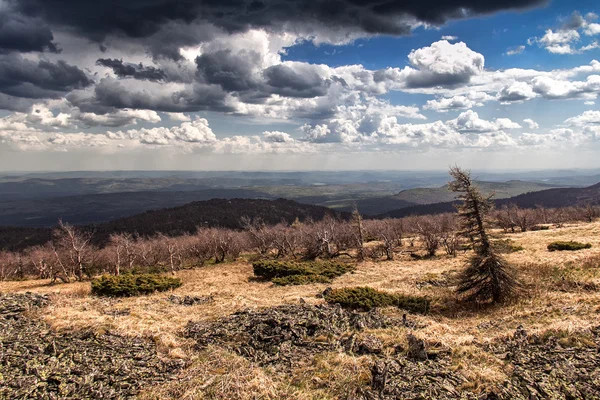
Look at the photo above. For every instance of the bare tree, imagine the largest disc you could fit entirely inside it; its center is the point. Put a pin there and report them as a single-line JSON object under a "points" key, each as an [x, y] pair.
{"points": [[172, 247], [261, 235], [524, 218], [76, 243], [428, 229], [358, 233], [388, 232], [486, 278], [590, 212], [123, 251], [505, 220], [286, 239], [449, 236], [8, 265]]}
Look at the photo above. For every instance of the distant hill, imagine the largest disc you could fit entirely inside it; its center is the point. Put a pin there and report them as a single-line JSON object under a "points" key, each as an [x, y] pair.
{"points": [[17, 238], [419, 196], [102, 207], [216, 212], [551, 198], [502, 190], [225, 213]]}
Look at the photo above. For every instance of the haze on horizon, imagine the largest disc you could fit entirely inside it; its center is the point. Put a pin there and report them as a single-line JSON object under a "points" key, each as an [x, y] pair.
{"points": [[271, 85]]}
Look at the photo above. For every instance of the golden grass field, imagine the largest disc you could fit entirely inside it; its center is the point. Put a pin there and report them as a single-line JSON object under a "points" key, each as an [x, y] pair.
{"points": [[559, 296]]}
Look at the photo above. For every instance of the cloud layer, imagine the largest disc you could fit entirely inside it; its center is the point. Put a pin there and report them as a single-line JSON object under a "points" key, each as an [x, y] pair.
{"points": [[163, 74]]}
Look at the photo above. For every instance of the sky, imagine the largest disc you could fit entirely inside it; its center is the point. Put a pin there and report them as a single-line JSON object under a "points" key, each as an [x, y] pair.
{"points": [[299, 85]]}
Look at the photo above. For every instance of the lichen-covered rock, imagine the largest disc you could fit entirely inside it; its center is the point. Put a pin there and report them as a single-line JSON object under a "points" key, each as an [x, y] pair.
{"points": [[12, 306], [550, 368], [403, 378], [38, 363], [287, 334], [190, 300]]}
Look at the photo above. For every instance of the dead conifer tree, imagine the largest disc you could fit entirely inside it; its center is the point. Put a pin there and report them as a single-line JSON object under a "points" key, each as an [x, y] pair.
{"points": [[487, 278]]}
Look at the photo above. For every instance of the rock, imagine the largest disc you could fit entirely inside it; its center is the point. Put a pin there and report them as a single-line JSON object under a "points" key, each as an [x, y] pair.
{"points": [[38, 363], [416, 348], [12, 306], [289, 334], [379, 373], [368, 345], [520, 333], [190, 300], [403, 378], [550, 368]]}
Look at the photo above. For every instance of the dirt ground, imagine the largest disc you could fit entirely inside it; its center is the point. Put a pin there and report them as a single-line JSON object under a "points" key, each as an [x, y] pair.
{"points": [[561, 300]]}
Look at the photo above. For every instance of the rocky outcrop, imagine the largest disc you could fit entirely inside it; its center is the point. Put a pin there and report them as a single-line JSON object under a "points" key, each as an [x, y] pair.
{"points": [[38, 363]]}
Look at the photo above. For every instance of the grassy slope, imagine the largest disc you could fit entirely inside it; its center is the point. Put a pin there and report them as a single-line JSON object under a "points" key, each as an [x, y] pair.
{"points": [[548, 306]]}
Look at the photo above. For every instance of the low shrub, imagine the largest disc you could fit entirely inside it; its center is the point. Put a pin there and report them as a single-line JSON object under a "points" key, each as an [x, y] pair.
{"points": [[571, 246], [506, 246], [300, 280], [269, 269], [133, 285], [366, 298]]}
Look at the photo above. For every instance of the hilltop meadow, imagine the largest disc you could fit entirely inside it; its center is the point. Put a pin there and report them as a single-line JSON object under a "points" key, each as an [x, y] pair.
{"points": [[226, 332]]}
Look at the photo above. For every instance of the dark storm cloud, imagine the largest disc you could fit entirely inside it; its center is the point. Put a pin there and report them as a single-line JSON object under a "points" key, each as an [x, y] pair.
{"points": [[428, 80], [42, 79], [109, 95], [144, 18], [136, 71], [14, 103], [233, 71], [24, 34], [284, 81]]}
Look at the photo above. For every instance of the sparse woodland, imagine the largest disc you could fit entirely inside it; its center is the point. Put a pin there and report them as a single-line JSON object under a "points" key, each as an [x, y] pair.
{"points": [[71, 254]]}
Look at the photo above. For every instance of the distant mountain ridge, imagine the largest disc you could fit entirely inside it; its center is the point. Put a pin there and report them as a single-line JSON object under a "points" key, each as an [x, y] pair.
{"points": [[420, 196], [551, 198], [226, 213]]}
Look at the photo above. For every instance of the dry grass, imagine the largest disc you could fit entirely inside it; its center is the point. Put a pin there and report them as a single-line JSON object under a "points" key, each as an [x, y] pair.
{"points": [[549, 305]]}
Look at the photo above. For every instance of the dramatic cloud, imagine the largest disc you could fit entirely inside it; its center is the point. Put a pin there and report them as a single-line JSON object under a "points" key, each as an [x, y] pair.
{"points": [[144, 18], [149, 75], [110, 93], [443, 64], [126, 70], [564, 39], [21, 77], [285, 81], [516, 91], [22, 33]]}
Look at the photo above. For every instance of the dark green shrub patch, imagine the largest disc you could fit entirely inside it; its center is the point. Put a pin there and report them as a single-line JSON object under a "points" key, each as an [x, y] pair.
{"points": [[366, 298], [300, 280], [506, 246], [133, 285], [560, 246], [269, 269]]}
